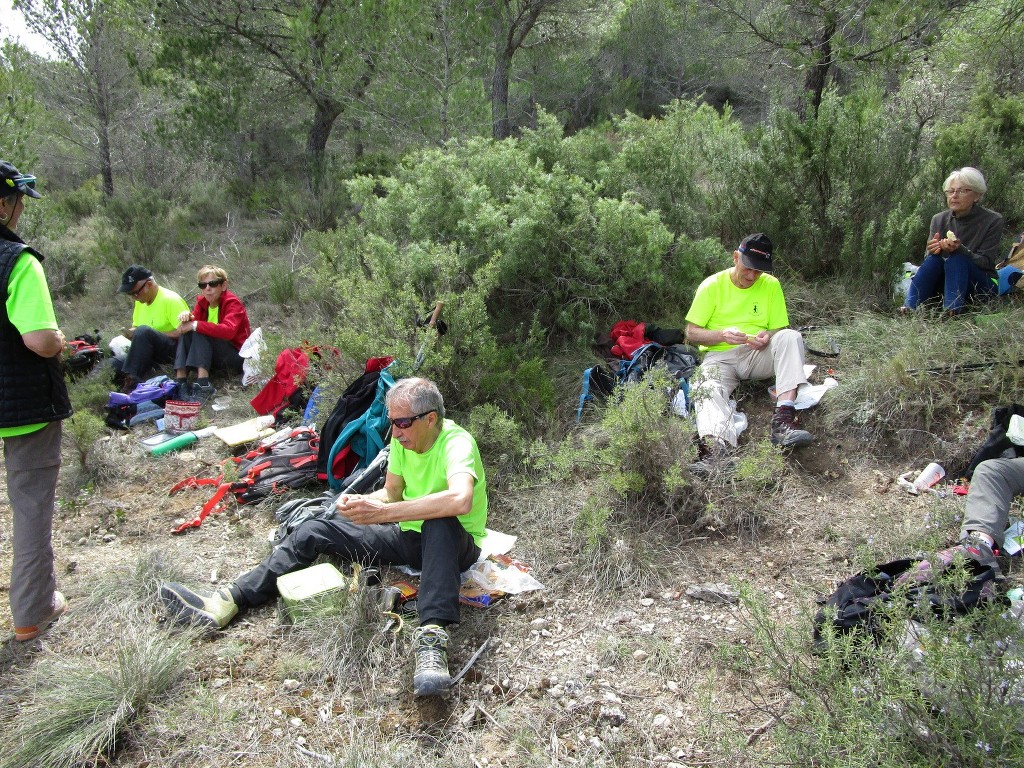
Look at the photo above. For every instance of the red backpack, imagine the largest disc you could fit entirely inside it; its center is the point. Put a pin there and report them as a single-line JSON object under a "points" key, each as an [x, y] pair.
{"points": [[282, 462]]}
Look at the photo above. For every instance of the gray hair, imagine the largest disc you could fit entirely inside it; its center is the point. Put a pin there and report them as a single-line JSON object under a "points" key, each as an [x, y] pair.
{"points": [[421, 395], [970, 177]]}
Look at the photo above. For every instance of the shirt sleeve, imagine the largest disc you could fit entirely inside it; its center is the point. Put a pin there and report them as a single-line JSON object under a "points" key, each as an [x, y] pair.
{"points": [[778, 315], [29, 307], [459, 457], [703, 306]]}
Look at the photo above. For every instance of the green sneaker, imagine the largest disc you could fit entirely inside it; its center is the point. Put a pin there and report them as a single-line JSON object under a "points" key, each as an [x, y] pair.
{"points": [[213, 610], [431, 677]]}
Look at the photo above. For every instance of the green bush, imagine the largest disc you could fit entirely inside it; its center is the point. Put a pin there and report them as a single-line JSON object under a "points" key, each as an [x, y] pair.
{"points": [[144, 227], [954, 700], [839, 193]]}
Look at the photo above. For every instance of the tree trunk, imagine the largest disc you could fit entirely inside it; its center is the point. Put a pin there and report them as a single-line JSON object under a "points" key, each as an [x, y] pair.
{"points": [[501, 126], [817, 75], [326, 112]]}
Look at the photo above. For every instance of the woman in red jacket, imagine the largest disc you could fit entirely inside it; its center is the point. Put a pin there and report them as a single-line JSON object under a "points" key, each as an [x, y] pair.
{"points": [[211, 335]]}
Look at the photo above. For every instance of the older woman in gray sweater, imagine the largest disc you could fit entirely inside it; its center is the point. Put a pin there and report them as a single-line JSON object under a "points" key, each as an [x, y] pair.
{"points": [[962, 247]]}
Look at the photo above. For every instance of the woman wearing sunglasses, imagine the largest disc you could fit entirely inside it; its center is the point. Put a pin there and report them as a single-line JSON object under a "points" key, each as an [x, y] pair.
{"points": [[962, 247], [211, 335], [33, 401]]}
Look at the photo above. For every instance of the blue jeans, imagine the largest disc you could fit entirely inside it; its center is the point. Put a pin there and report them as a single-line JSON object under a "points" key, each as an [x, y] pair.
{"points": [[956, 278]]}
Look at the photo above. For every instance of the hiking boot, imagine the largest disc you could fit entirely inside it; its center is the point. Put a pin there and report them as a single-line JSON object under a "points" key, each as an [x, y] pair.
{"points": [[713, 457], [785, 428], [201, 393], [974, 546], [431, 677], [183, 391], [213, 610], [57, 608]]}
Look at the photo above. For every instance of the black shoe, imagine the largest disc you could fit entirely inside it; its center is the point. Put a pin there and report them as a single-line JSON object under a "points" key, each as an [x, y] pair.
{"points": [[201, 393], [713, 457], [213, 610], [785, 429]]}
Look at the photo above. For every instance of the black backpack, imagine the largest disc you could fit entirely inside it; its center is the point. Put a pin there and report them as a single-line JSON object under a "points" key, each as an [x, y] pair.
{"points": [[857, 601], [997, 444]]}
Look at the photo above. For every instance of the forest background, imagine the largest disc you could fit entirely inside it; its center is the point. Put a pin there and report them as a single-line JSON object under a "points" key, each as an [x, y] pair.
{"points": [[545, 167]]}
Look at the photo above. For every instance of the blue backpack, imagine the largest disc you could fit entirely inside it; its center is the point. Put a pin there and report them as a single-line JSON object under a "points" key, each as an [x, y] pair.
{"points": [[599, 382]]}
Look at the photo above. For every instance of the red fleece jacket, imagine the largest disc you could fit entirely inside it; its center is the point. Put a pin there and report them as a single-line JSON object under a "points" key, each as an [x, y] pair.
{"points": [[232, 320]]}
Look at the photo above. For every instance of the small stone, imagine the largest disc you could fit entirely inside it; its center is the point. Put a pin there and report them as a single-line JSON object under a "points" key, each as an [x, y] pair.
{"points": [[714, 593], [647, 602], [290, 684], [612, 715], [295, 722], [640, 655], [539, 623], [661, 721]]}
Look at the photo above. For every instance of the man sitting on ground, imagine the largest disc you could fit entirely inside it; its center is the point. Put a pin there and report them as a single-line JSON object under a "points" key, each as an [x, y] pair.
{"points": [[994, 484], [430, 515], [739, 317], [154, 332]]}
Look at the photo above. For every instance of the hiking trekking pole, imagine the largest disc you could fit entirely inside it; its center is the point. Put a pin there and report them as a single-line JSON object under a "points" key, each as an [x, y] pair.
{"points": [[431, 323]]}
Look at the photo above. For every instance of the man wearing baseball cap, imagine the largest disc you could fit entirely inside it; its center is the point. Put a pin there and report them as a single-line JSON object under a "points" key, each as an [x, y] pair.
{"points": [[154, 333], [739, 319], [33, 402]]}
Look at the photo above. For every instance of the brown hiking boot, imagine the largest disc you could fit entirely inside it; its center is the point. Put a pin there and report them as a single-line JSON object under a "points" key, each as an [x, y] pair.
{"points": [[785, 428]]}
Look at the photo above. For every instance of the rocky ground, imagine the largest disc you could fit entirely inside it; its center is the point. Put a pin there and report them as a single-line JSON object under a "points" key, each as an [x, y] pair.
{"points": [[575, 674]]}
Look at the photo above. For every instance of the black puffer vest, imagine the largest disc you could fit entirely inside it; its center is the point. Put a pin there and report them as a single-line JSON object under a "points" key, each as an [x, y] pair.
{"points": [[32, 388]]}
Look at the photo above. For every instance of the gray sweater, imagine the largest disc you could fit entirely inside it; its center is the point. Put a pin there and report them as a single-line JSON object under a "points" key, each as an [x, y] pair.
{"points": [[979, 230]]}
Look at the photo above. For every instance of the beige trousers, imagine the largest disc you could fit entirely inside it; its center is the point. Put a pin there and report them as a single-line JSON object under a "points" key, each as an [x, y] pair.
{"points": [[721, 372]]}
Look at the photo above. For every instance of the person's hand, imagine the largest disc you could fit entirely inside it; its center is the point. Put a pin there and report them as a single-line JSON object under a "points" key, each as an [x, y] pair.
{"points": [[759, 342], [734, 336], [361, 510], [949, 244], [185, 317], [63, 340], [935, 245]]}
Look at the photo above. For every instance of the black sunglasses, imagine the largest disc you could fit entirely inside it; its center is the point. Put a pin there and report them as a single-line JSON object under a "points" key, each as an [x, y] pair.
{"points": [[135, 294], [209, 284], [404, 422]]}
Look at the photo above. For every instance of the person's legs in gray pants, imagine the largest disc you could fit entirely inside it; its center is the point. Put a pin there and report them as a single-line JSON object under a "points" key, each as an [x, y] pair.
{"points": [[993, 487], [33, 462]]}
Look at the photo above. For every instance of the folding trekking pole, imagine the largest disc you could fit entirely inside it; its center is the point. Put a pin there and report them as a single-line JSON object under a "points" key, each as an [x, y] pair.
{"points": [[432, 322]]}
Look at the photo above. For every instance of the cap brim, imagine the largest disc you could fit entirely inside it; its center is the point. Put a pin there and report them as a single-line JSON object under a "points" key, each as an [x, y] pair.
{"points": [[753, 261], [31, 193]]}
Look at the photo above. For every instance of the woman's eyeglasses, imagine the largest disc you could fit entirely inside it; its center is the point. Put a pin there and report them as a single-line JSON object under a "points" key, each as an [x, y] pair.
{"points": [[958, 192], [404, 422], [209, 284]]}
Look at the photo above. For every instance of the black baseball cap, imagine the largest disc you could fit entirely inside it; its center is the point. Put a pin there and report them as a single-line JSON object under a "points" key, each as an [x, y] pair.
{"points": [[131, 276], [756, 252], [12, 179]]}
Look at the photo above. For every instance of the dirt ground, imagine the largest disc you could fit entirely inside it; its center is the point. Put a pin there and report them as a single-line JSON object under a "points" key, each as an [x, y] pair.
{"points": [[569, 676]]}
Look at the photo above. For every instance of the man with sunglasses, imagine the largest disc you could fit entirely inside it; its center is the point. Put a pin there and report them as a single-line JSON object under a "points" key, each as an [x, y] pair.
{"points": [[430, 515], [33, 402], [153, 337]]}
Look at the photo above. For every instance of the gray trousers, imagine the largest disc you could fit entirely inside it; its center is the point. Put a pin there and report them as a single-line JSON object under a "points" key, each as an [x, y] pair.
{"points": [[993, 487], [721, 372], [32, 463]]}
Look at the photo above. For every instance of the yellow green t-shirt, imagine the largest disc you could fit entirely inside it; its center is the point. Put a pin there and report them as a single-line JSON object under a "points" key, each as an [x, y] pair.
{"points": [[162, 314], [719, 304], [455, 451], [29, 308]]}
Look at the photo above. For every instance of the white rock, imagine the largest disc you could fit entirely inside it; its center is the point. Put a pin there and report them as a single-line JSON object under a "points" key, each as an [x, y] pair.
{"points": [[661, 721]]}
